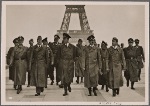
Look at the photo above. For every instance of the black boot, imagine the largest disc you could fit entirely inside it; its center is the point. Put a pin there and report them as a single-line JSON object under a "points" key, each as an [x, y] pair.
{"points": [[77, 80], [81, 79], [132, 84], [65, 90], [127, 83], [102, 87], [15, 87], [52, 82], [37, 94], [56, 83], [90, 92], [94, 91], [114, 92], [117, 91], [69, 88], [19, 89], [42, 89], [107, 88]]}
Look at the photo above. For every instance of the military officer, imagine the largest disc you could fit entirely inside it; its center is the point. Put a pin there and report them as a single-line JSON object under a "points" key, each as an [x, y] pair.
{"points": [[30, 49], [132, 66], [116, 65], [54, 46], [80, 61], [50, 59], [40, 59], [66, 56], [93, 66], [11, 68], [103, 79], [19, 56], [140, 56], [122, 45]]}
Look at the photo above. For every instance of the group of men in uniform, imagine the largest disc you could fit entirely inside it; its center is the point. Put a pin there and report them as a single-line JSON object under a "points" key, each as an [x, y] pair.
{"points": [[96, 65]]}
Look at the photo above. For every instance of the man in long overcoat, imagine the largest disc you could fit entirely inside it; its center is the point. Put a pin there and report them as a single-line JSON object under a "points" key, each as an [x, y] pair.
{"points": [[93, 66], [38, 68], [30, 49], [11, 68], [131, 63], [80, 61], [66, 56], [116, 65], [103, 79], [140, 56], [54, 46], [19, 56], [50, 59]]}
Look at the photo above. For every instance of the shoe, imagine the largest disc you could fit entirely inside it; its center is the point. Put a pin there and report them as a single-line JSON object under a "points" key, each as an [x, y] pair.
{"points": [[133, 88], [65, 94], [52, 82], [18, 91], [60, 86], [37, 94], [94, 91], [102, 88], [139, 78], [28, 86], [69, 89], [107, 90], [46, 87], [117, 91], [77, 81], [56, 83], [90, 93], [114, 92], [42, 90]]}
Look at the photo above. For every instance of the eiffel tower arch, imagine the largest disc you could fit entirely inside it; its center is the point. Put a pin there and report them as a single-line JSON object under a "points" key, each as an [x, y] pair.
{"points": [[75, 34]]}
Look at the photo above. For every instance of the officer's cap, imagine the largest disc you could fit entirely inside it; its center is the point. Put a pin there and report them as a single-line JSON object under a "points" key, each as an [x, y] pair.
{"points": [[130, 40], [39, 38], [31, 40], [56, 36], [80, 40], [45, 40], [91, 37], [136, 41], [20, 38], [65, 35], [104, 43], [115, 39], [15, 40]]}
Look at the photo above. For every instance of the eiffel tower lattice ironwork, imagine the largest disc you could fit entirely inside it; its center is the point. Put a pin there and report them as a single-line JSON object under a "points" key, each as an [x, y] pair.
{"points": [[75, 34]]}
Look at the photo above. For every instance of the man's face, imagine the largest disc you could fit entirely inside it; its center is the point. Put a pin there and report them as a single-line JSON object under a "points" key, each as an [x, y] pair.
{"points": [[114, 42], [130, 43], [122, 45], [65, 40], [103, 46], [39, 41], [45, 43], [91, 42], [80, 43], [16, 44], [137, 43], [31, 43], [56, 39]]}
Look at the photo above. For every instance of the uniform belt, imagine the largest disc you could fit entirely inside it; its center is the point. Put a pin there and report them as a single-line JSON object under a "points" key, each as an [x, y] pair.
{"points": [[20, 59], [131, 58]]}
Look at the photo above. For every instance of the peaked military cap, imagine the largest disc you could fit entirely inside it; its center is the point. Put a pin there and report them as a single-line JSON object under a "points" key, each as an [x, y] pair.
{"points": [[130, 40], [136, 41], [65, 35], [91, 37], [56, 36], [39, 38], [31, 40], [115, 39], [104, 43], [80, 40], [20, 38], [15, 40], [45, 40]]}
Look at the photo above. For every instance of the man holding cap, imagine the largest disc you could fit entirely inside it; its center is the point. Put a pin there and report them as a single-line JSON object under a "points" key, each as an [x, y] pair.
{"points": [[19, 56], [93, 65], [39, 56], [132, 67], [140, 56], [66, 56], [116, 65], [12, 68]]}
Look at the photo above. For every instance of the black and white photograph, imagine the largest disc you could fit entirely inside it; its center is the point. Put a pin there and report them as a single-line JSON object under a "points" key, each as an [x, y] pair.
{"points": [[74, 53]]}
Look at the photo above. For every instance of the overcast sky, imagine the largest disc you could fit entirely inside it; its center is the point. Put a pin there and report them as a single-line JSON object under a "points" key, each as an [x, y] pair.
{"points": [[107, 21]]}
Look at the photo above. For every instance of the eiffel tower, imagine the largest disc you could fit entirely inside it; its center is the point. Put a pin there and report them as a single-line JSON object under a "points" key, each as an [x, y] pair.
{"points": [[75, 34]]}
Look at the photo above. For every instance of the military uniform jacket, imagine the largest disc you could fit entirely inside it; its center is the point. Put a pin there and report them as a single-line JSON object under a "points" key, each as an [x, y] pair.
{"points": [[29, 51], [93, 64], [66, 56], [116, 64], [40, 59], [19, 57]]}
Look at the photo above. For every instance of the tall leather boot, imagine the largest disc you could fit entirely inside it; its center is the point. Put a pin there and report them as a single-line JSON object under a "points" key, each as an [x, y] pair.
{"points": [[65, 90], [132, 85], [77, 80], [107, 88], [19, 89], [102, 87], [69, 88], [114, 92], [90, 92], [117, 91], [94, 91]]}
